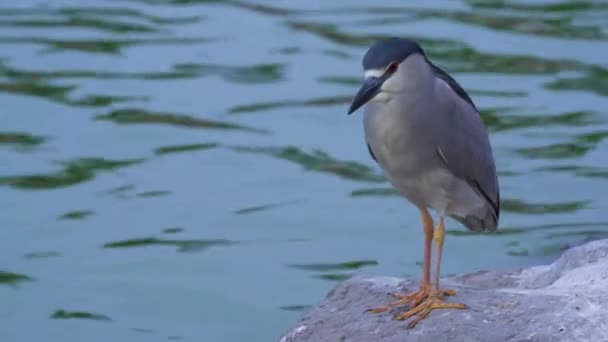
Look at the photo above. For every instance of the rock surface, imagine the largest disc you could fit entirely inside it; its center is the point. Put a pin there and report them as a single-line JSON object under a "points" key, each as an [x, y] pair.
{"points": [[564, 301]]}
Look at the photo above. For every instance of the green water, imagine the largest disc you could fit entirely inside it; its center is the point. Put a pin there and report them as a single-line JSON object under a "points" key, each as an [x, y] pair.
{"points": [[186, 170]]}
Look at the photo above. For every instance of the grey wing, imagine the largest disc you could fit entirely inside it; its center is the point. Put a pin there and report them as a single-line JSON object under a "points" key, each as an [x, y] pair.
{"points": [[465, 148]]}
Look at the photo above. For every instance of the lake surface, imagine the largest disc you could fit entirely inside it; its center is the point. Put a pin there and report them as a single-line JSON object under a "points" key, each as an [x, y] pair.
{"points": [[185, 170]]}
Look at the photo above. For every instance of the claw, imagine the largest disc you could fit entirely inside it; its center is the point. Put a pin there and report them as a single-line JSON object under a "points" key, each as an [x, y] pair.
{"points": [[412, 298], [421, 303], [429, 304]]}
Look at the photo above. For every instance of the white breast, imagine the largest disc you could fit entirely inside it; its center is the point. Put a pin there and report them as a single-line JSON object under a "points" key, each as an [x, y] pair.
{"points": [[402, 142]]}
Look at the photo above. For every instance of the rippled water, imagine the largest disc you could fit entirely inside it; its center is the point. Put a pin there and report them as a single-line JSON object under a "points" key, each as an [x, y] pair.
{"points": [[186, 170]]}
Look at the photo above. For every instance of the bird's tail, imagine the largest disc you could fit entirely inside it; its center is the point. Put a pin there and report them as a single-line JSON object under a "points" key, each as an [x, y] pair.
{"points": [[479, 221]]}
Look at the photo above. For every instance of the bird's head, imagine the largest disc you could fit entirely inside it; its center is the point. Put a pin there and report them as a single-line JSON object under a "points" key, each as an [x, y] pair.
{"points": [[387, 66]]}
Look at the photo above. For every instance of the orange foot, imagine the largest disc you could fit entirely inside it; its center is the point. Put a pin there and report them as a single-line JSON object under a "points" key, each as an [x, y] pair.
{"points": [[421, 303], [431, 302], [413, 298]]}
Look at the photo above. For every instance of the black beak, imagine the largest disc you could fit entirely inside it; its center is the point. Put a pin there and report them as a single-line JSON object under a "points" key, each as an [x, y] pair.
{"points": [[369, 89]]}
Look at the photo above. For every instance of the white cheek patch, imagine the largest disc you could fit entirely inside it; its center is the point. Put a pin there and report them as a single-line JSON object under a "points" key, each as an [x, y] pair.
{"points": [[373, 73], [387, 88]]}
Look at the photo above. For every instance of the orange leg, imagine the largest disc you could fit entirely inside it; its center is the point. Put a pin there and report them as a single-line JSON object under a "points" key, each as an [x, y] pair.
{"points": [[435, 299], [427, 224], [416, 297]]}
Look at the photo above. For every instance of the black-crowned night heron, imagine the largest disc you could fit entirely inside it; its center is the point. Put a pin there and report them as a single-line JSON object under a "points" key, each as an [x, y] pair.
{"points": [[425, 132]]}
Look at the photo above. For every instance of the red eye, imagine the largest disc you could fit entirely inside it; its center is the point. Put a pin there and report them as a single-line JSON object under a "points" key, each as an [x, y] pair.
{"points": [[392, 67]]}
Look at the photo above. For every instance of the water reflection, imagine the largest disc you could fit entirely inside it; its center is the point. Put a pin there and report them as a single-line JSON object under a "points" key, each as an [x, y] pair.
{"points": [[64, 314], [42, 255], [13, 279], [267, 106], [120, 192], [348, 265], [79, 21], [20, 139], [576, 226], [240, 74], [522, 207], [112, 46], [565, 7], [76, 215], [155, 193], [295, 307], [562, 27], [61, 94], [500, 119], [108, 80], [141, 116], [185, 148], [337, 277], [455, 56], [264, 207], [102, 18], [374, 192], [595, 80], [173, 230], [73, 172], [334, 271], [184, 246], [580, 145], [577, 170], [319, 161]]}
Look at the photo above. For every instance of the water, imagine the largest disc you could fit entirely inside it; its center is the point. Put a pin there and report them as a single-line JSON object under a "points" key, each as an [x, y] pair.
{"points": [[186, 170]]}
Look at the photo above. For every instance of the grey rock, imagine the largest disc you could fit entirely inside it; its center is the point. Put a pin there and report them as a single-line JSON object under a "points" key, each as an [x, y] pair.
{"points": [[564, 301]]}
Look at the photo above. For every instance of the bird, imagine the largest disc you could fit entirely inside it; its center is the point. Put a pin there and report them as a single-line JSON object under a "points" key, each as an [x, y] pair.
{"points": [[426, 134]]}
